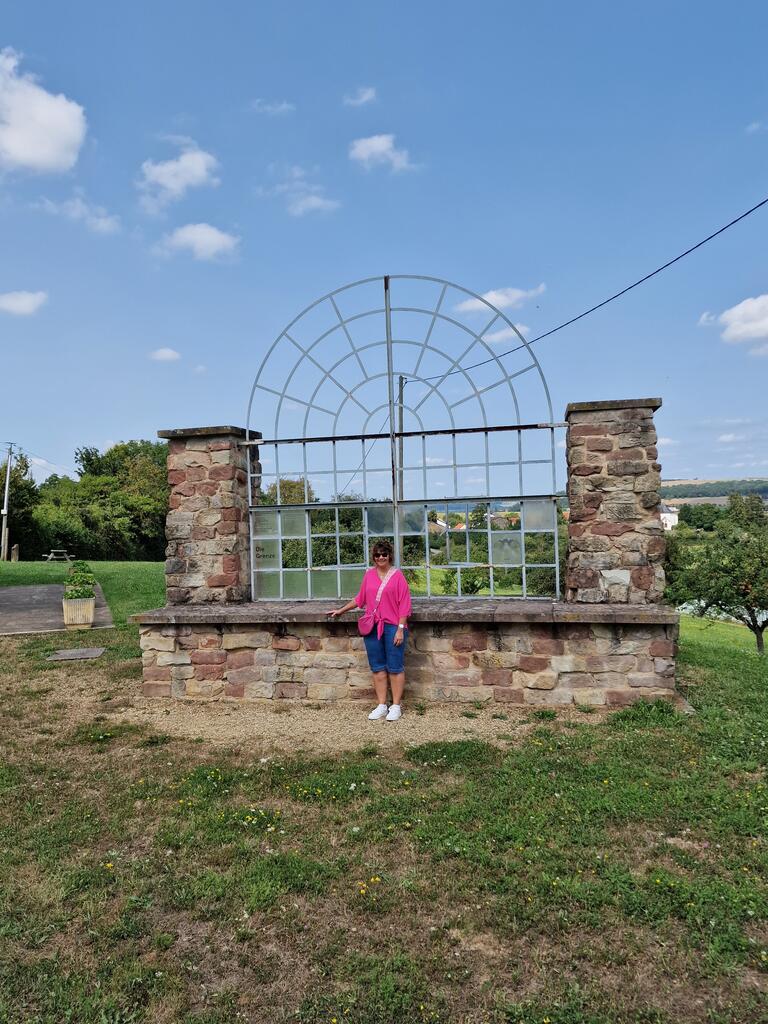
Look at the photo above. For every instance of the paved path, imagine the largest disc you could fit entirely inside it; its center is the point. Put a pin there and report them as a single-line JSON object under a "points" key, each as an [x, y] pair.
{"points": [[37, 609]]}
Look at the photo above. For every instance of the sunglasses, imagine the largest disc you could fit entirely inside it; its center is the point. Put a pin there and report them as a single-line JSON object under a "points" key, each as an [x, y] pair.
{"points": [[381, 556]]}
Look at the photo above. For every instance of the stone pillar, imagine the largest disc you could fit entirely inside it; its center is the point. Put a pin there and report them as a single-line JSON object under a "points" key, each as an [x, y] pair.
{"points": [[615, 535], [207, 526]]}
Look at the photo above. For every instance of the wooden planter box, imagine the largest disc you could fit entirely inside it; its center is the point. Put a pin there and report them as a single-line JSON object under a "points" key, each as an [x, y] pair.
{"points": [[79, 612]]}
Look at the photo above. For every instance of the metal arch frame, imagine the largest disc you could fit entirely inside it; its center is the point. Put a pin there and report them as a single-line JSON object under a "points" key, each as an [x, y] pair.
{"points": [[355, 350], [306, 355]]}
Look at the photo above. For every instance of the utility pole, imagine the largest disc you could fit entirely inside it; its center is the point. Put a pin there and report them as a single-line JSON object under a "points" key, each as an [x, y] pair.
{"points": [[4, 512], [400, 389]]}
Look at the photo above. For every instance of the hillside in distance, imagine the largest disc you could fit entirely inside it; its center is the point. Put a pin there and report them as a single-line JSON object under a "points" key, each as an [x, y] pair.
{"points": [[714, 488]]}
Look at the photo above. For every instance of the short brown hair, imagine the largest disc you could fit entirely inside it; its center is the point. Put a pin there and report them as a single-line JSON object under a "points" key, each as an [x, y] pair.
{"points": [[383, 547]]}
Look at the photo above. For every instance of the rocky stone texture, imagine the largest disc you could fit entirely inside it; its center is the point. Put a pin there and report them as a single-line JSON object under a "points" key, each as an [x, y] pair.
{"points": [[615, 536], [207, 524], [517, 662]]}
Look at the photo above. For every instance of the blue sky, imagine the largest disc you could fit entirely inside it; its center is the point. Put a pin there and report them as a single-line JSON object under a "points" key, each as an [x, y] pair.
{"points": [[179, 180]]}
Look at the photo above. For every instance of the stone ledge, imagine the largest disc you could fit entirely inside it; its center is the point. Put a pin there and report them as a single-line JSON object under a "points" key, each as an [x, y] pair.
{"points": [[448, 610], [618, 403], [206, 432]]}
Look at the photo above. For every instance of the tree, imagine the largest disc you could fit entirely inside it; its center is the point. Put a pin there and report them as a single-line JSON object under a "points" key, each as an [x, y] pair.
{"points": [[702, 517], [23, 498], [729, 572]]}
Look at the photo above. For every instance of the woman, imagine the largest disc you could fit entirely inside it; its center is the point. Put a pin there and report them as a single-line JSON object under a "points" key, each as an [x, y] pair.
{"points": [[385, 644]]}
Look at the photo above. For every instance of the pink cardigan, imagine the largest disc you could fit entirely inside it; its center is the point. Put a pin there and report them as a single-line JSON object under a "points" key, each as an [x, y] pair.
{"points": [[395, 604]]}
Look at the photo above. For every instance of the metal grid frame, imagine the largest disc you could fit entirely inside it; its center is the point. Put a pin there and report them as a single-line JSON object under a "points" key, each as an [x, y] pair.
{"points": [[398, 469]]}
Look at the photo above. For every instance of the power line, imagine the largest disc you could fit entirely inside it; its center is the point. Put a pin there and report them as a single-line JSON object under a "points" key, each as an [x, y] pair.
{"points": [[617, 295]]}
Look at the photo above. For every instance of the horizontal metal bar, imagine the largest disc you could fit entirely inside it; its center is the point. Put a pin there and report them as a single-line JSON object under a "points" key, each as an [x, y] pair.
{"points": [[405, 433], [484, 499]]}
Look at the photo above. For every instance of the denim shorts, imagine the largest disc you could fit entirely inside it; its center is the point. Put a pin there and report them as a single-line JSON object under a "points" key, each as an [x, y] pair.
{"points": [[383, 655]]}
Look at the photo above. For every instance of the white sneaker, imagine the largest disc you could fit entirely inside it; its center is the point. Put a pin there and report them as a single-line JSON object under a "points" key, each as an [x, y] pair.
{"points": [[395, 713], [379, 712]]}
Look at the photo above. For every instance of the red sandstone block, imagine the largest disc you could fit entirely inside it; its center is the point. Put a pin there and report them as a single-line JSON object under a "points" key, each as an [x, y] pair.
{"points": [[286, 643], [176, 446], [532, 664], [611, 529], [156, 689], [241, 476], [586, 470], [627, 455], [206, 490], [176, 476], [155, 674], [234, 689], [588, 430], [622, 698], [361, 693], [599, 444], [220, 472], [662, 649], [208, 657], [577, 529], [548, 645], [225, 529], [312, 643], [175, 501], [209, 671], [240, 659], [218, 446], [642, 576], [470, 642], [233, 514], [652, 452], [203, 533], [222, 579], [230, 563], [195, 473], [656, 546], [497, 677], [337, 643], [185, 490], [211, 642], [506, 695], [290, 690]]}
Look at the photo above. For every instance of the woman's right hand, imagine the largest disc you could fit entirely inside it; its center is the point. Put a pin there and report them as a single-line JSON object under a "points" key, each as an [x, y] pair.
{"points": [[336, 612]]}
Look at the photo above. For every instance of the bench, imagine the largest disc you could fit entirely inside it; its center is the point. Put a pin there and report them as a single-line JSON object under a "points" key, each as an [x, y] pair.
{"points": [[58, 555]]}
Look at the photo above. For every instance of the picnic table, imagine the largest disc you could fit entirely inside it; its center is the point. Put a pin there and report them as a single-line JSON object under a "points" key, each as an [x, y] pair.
{"points": [[58, 555]]}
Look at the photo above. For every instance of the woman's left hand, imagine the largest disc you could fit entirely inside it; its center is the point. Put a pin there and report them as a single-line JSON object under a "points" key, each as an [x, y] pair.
{"points": [[398, 638]]}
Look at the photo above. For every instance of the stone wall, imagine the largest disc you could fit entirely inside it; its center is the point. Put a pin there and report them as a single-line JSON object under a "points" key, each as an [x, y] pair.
{"points": [[207, 524], [592, 663], [615, 534]]}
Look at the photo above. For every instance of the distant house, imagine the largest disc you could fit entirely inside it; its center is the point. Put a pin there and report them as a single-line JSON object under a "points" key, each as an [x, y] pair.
{"points": [[669, 516]]}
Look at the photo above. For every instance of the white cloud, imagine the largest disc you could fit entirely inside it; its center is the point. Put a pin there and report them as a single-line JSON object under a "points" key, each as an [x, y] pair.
{"points": [[273, 108], [168, 180], [707, 319], [364, 94], [761, 350], [39, 131], [730, 438], [666, 442], [746, 321], [377, 150], [300, 195], [501, 298], [165, 355], [506, 334], [22, 303], [204, 241], [96, 218]]}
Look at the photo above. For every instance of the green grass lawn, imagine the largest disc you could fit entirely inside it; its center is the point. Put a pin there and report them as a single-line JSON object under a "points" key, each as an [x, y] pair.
{"points": [[601, 871]]}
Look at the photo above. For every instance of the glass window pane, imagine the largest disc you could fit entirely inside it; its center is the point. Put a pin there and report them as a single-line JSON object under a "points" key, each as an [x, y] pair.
{"points": [[324, 584], [378, 485], [266, 584], [266, 554], [457, 516], [295, 584], [445, 581], [319, 456], [478, 547], [472, 480], [440, 483], [351, 520], [266, 494], [457, 547], [538, 515], [474, 581], [323, 551], [505, 515], [470, 448], [350, 581], [380, 519], [412, 454], [539, 547], [294, 554], [291, 491], [290, 458], [413, 484], [540, 582], [508, 582], [293, 522], [352, 550], [413, 550], [506, 548], [264, 524], [438, 547], [411, 518], [349, 455], [502, 446], [322, 520], [478, 516]]}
